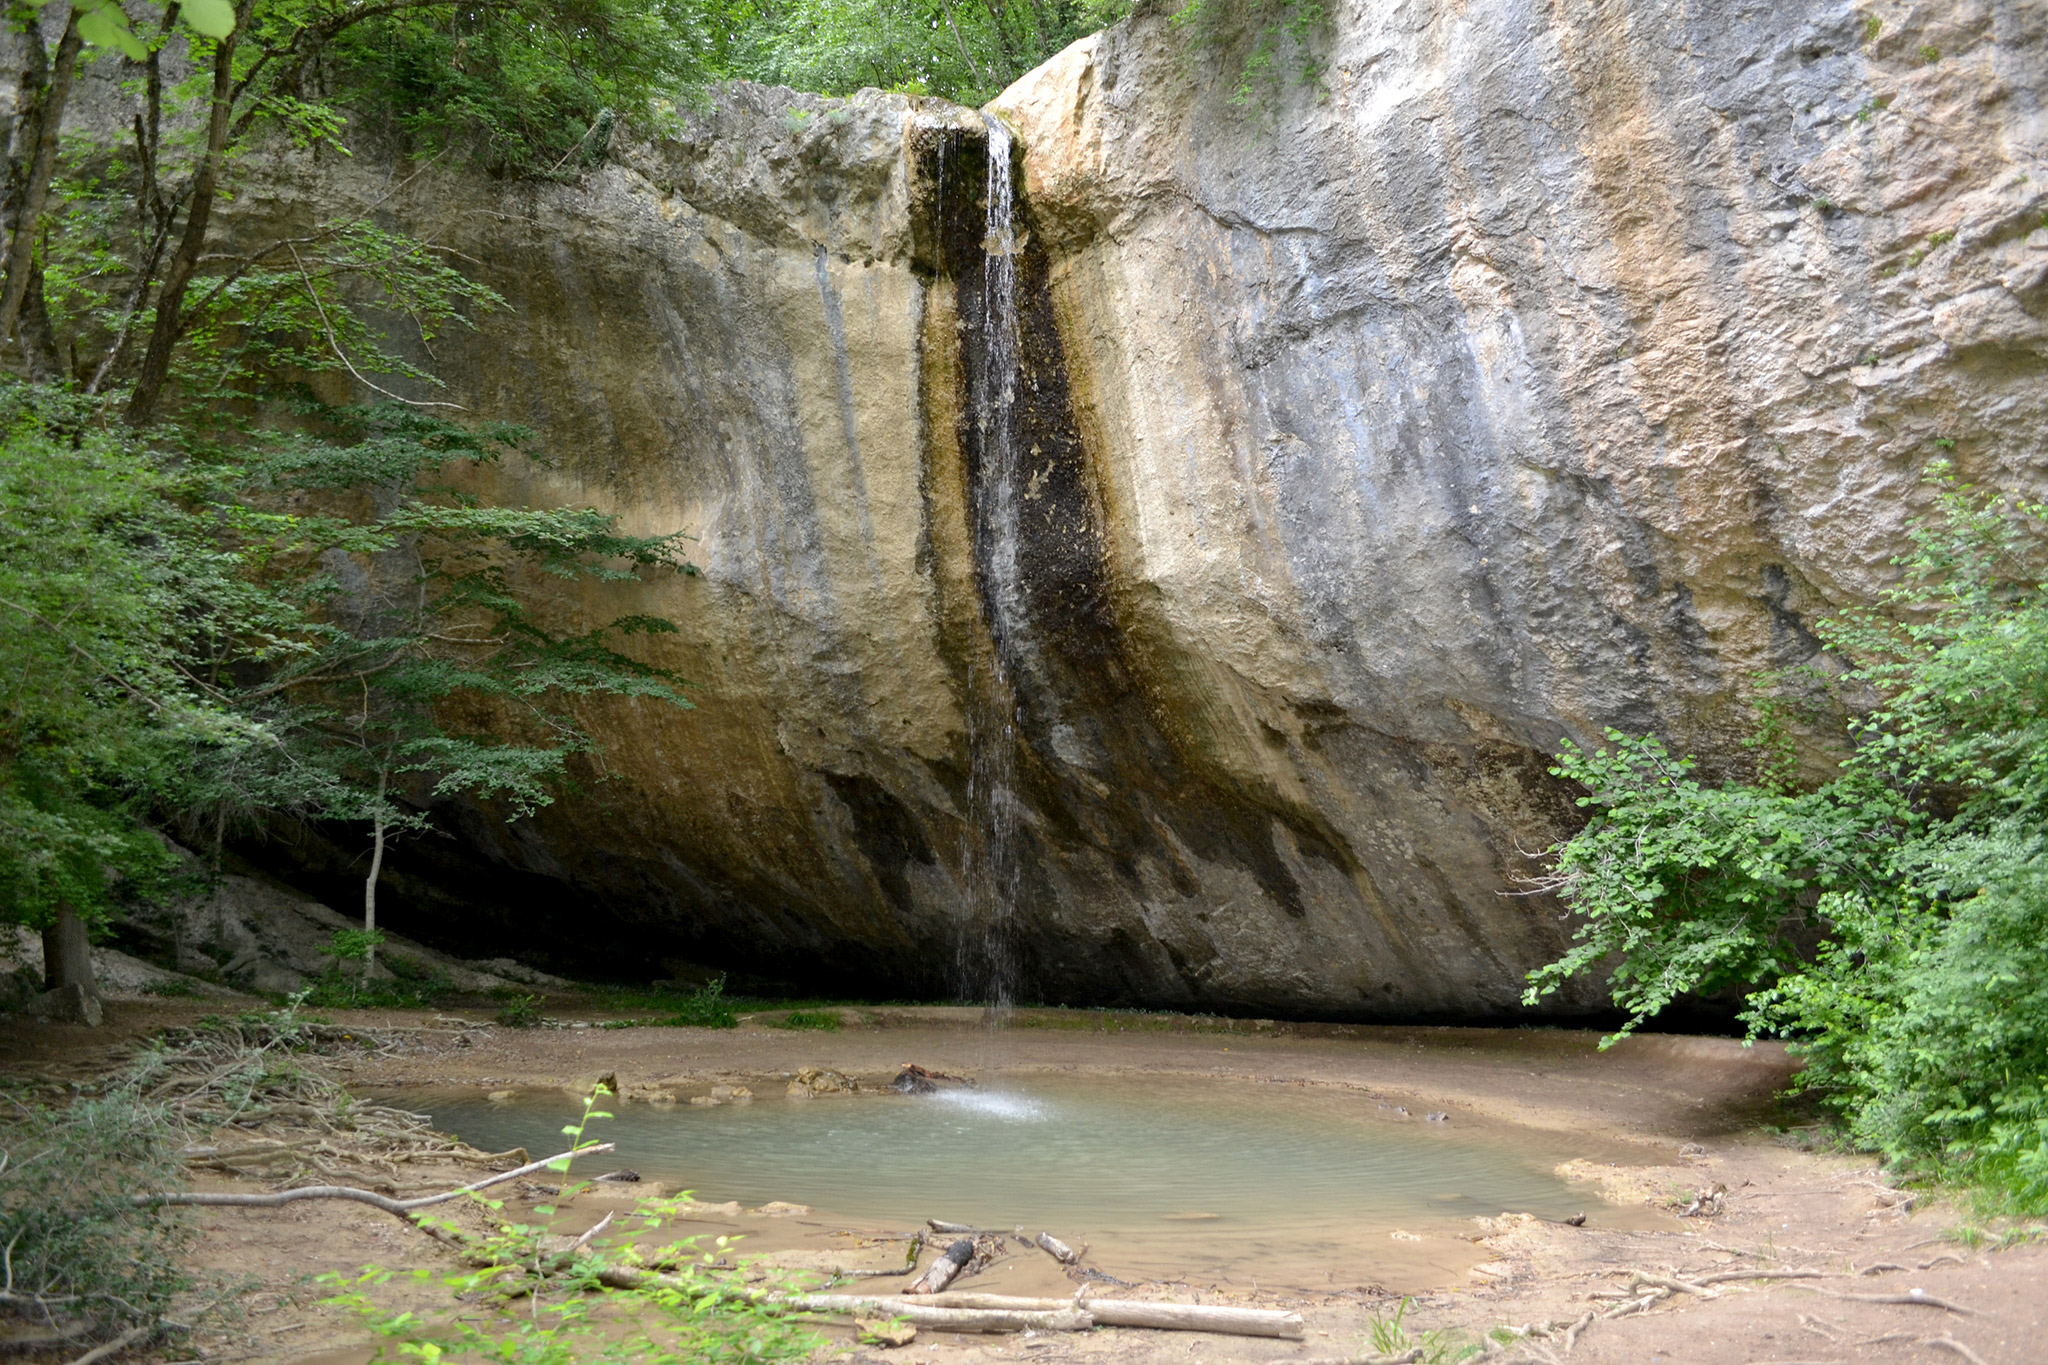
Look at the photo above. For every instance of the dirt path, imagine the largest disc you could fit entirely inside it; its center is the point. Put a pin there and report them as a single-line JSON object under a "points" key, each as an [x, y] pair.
{"points": [[1657, 1113]]}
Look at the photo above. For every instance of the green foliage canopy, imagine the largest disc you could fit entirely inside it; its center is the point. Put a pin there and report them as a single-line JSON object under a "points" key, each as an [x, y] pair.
{"points": [[1895, 918], [103, 577]]}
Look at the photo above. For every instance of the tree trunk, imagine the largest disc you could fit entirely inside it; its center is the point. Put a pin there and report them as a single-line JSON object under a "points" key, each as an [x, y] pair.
{"points": [[35, 191], [170, 300], [29, 85], [370, 886], [38, 337], [67, 953]]}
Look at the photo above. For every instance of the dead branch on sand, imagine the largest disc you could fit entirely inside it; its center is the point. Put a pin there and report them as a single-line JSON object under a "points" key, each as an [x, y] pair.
{"points": [[403, 1208]]}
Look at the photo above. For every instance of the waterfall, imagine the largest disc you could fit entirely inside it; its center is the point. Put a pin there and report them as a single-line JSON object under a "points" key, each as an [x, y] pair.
{"points": [[987, 966]]}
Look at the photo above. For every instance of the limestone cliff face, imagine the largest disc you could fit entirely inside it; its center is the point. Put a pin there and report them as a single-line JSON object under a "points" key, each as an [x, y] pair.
{"points": [[1550, 369]]}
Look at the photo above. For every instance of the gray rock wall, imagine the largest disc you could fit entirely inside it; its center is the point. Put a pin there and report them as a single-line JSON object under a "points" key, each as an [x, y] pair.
{"points": [[1551, 368]]}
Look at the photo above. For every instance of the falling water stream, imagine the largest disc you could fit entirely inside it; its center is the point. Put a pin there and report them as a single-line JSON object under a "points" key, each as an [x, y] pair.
{"points": [[987, 966]]}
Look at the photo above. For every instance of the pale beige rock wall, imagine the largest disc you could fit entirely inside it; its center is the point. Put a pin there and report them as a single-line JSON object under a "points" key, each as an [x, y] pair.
{"points": [[1553, 368]]}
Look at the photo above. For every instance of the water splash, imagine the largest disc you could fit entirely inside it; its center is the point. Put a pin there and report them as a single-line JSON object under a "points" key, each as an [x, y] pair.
{"points": [[995, 1104], [987, 960]]}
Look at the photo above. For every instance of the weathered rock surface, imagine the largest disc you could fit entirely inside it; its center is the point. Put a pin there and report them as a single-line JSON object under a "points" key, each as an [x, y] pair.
{"points": [[1553, 368]]}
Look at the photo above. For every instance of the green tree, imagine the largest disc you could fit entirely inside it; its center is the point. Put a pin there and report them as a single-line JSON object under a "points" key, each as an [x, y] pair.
{"points": [[45, 82], [1894, 920], [426, 661], [216, 698], [970, 50], [100, 568]]}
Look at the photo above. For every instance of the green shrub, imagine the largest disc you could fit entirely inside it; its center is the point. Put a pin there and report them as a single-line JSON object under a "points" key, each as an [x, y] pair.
{"points": [[519, 1010], [413, 985], [822, 1021], [1893, 921], [82, 1257], [706, 1007], [353, 945]]}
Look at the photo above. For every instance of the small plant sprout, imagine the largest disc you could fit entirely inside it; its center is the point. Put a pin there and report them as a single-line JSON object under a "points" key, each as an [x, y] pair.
{"points": [[1389, 1336], [1930, 54], [606, 1085]]}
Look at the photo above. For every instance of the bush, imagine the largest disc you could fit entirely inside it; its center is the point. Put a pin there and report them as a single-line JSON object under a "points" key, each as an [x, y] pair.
{"points": [[413, 985], [1894, 920], [84, 1259], [519, 1010], [823, 1021], [706, 1007]]}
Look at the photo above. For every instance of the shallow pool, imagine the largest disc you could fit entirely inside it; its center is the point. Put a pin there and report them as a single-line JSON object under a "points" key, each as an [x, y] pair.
{"points": [[1206, 1172]]}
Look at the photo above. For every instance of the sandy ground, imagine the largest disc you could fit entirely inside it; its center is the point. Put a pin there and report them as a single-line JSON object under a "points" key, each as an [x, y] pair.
{"points": [[1655, 1115]]}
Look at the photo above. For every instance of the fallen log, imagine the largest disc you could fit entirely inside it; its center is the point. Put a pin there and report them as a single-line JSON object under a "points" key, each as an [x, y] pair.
{"points": [[941, 1225], [1196, 1317], [1220, 1319], [945, 1270], [1046, 1315], [1064, 1319]]}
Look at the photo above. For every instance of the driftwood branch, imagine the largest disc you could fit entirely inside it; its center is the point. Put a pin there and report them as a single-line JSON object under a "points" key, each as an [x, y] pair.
{"points": [[403, 1208]]}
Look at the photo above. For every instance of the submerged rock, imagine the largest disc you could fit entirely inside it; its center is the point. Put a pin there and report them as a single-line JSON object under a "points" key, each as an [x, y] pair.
{"points": [[818, 1080]]}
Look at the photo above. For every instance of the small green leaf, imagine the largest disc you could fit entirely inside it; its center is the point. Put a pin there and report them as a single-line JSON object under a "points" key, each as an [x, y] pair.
{"points": [[214, 18]]}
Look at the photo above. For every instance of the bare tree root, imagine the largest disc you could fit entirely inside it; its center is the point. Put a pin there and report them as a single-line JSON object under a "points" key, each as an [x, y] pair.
{"points": [[1915, 1299], [1946, 1342], [1724, 1276]]}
